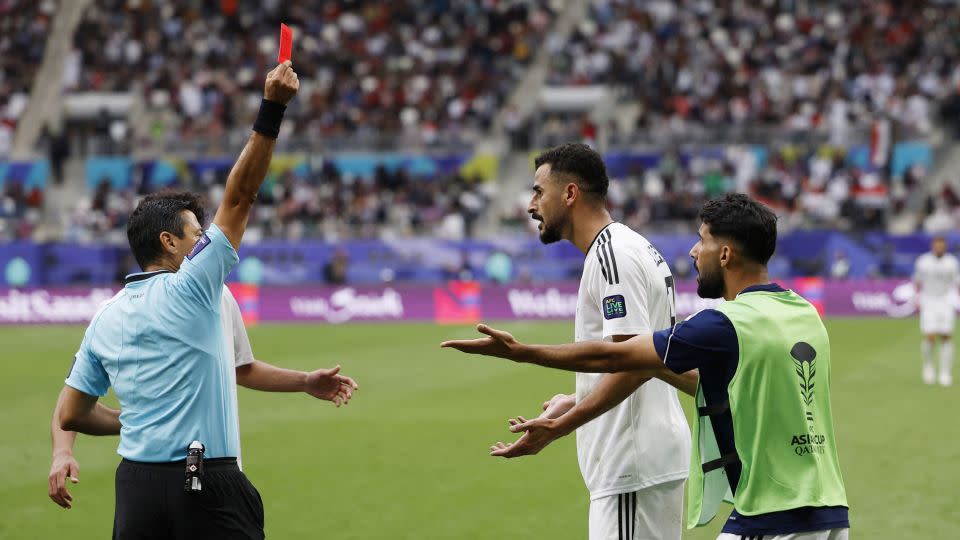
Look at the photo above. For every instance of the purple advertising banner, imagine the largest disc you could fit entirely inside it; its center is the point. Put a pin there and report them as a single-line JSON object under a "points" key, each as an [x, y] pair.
{"points": [[456, 302], [51, 306], [559, 301], [346, 304]]}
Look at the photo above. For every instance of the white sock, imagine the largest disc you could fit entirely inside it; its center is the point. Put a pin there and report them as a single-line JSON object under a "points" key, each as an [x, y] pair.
{"points": [[927, 349], [946, 358]]}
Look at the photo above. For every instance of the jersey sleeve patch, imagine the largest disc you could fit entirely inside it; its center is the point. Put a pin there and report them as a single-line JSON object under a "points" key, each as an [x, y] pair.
{"points": [[202, 243], [614, 307]]}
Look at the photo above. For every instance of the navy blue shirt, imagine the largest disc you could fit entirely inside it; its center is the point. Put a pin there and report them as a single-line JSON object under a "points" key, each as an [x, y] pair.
{"points": [[708, 342]]}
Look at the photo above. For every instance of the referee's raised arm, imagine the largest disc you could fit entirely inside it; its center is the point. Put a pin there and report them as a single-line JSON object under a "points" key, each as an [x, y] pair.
{"points": [[248, 172]]}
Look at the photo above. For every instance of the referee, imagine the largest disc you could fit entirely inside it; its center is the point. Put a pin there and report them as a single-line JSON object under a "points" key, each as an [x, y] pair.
{"points": [[159, 344], [325, 384], [764, 424]]}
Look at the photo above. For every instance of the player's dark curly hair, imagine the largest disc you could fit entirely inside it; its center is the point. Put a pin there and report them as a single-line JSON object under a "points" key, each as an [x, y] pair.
{"points": [[750, 224], [156, 213], [582, 163]]}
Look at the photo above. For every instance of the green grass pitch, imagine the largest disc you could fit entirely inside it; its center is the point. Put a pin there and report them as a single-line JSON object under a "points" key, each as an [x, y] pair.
{"points": [[408, 458]]}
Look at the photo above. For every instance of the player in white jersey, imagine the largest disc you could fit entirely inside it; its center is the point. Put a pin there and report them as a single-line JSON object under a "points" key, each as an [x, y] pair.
{"points": [[936, 276], [324, 384], [632, 435]]}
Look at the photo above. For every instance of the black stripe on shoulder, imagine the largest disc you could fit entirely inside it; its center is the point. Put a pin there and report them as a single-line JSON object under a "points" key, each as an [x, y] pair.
{"points": [[605, 259], [603, 268], [613, 261], [597, 237]]}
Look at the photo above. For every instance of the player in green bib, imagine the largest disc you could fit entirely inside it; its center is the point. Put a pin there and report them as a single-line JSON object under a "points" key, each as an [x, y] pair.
{"points": [[763, 435]]}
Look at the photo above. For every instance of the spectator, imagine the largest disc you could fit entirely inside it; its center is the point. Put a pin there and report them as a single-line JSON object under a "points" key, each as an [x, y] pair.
{"points": [[335, 270], [840, 267]]}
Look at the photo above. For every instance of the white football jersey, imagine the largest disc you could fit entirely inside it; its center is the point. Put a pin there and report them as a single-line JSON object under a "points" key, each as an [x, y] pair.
{"points": [[627, 289], [938, 277], [238, 347]]}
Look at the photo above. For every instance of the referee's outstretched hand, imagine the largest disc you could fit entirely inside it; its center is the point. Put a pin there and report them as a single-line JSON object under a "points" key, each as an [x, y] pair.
{"points": [[282, 84], [64, 466], [497, 343], [329, 385]]}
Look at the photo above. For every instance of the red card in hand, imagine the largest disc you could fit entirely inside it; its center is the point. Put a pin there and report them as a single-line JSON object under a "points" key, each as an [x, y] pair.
{"points": [[286, 43]]}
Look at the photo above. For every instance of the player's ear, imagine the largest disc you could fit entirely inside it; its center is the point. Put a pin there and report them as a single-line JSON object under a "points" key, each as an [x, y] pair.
{"points": [[570, 193], [725, 255]]}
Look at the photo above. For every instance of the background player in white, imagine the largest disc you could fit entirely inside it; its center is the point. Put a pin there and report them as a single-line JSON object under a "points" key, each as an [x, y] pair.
{"points": [[631, 431], [936, 277], [325, 384]]}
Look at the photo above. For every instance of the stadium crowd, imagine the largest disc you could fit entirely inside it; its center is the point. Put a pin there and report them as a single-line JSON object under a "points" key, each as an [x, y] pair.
{"points": [[401, 71], [324, 204], [808, 189], [24, 26], [827, 66], [425, 72]]}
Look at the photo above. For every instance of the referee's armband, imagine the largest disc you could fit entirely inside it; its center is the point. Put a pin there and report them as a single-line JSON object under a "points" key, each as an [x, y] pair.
{"points": [[269, 118]]}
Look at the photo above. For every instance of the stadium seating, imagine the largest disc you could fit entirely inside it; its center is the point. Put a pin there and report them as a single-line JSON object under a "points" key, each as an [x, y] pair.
{"points": [[434, 71], [823, 86], [22, 185], [823, 66], [24, 26]]}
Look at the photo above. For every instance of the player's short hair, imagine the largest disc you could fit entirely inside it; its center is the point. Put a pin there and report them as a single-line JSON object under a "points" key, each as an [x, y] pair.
{"points": [[747, 222], [156, 213], [582, 163]]}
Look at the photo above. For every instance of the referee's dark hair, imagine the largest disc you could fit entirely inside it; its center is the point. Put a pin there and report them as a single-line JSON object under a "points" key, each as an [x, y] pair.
{"points": [[750, 224], [156, 213], [581, 163]]}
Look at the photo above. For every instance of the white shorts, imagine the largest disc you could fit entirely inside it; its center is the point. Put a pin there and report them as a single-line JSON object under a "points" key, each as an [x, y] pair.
{"points": [[653, 513], [829, 534], [937, 318]]}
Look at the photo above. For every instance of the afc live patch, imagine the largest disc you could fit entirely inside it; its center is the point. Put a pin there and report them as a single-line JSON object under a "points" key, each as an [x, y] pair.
{"points": [[614, 307], [202, 243]]}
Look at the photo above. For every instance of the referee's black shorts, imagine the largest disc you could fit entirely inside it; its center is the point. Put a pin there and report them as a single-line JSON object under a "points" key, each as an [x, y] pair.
{"points": [[151, 503]]}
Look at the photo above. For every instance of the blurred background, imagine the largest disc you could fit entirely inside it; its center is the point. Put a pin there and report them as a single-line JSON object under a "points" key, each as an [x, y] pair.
{"points": [[407, 154], [399, 188]]}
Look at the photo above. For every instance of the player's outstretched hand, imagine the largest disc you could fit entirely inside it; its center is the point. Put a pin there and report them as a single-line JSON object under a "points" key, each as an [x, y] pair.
{"points": [[497, 343], [329, 385], [537, 435], [282, 84], [64, 466]]}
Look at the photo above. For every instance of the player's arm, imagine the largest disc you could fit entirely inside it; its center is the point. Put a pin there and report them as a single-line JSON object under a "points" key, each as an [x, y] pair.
{"points": [[635, 354], [610, 391], [685, 382], [64, 465], [917, 282], [326, 384], [249, 171]]}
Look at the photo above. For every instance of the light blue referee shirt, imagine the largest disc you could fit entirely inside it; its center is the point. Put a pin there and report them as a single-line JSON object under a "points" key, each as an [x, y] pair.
{"points": [[159, 344]]}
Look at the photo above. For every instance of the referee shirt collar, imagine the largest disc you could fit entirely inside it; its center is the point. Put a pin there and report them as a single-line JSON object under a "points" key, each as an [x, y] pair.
{"points": [[140, 276]]}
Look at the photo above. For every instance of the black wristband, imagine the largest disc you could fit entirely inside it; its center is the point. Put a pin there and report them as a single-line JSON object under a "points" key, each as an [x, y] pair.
{"points": [[269, 118]]}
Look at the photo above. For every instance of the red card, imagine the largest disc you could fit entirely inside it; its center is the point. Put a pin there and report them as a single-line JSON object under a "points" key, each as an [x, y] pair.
{"points": [[286, 43]]}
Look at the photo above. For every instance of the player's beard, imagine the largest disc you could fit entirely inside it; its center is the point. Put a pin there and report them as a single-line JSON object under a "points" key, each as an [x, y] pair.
{"points": [[550, 233], [710, 284]]}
